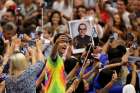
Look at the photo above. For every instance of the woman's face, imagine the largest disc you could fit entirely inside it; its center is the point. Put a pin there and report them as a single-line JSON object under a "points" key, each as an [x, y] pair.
{"points": [[81, 12], [117, 19], [55, 18]]}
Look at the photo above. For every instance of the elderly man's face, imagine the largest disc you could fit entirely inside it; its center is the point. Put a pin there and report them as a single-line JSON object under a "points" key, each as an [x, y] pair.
{"points": [[82, 30]]}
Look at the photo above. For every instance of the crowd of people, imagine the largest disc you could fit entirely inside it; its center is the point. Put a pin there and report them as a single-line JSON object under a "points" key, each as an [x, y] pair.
{"points": [[37, 49]]}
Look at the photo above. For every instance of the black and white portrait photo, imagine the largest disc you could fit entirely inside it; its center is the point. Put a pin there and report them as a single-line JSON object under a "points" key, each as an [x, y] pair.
{"points": [[80, 31]]}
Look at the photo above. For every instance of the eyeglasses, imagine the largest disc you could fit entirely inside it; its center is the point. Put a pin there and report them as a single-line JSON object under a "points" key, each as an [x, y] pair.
{"points": [[82, 29]]}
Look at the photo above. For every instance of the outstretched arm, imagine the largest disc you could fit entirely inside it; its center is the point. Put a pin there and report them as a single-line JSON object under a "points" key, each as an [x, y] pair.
{"points": [[110, 84], [2, 87], [133, 80]]}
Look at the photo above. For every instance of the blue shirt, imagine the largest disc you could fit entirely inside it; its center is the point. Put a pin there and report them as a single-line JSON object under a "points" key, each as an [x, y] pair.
{"points": [[116, 89]]}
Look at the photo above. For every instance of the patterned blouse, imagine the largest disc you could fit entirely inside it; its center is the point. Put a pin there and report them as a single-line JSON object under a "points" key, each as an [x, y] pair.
{"points": [[25, 83]]}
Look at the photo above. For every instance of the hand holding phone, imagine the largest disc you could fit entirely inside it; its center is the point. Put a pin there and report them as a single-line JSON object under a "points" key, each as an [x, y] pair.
{"points": [[111, 38], [32, 43], [133, 59]]}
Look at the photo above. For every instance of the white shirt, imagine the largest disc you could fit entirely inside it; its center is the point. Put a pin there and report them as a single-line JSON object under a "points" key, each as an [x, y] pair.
{"points": [[129, 89], [126, 19], [2, 12], [111, 9], [67, 11]]}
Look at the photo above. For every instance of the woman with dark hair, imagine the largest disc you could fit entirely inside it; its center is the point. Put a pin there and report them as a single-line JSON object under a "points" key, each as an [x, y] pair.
{"points": [[81, 12], [118, 27], [55, 23]]}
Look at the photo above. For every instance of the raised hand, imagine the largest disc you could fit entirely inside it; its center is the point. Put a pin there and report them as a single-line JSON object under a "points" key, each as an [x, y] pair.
{"points": [[39, 44], [62, 38], [40, 56]]}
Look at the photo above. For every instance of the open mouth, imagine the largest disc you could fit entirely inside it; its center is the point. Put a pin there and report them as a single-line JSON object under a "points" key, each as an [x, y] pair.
{"points": [[64, 48]]}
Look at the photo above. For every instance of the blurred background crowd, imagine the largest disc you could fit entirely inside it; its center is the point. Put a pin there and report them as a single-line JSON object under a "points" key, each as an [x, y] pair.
{"points": [[37, 49]]}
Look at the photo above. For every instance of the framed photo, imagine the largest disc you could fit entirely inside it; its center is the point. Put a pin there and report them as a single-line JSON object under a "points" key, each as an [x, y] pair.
{"points": [[73, 27], [81, 33]]}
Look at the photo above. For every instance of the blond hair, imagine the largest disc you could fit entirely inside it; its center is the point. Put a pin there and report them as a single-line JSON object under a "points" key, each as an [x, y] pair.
{"points": [[18, 63]]}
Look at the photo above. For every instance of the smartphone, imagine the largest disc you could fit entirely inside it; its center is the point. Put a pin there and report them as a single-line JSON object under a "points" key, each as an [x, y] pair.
{"points": [[32, 43], [133, 59], [38, 29], [111, 38], [115, 35], [134, 45], [23, 50], [21, 36], [129, 36], [94, 33]]}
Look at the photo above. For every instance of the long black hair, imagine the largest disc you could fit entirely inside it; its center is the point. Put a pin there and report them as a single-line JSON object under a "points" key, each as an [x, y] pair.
{"points": [[105, 77], [56, 12]]}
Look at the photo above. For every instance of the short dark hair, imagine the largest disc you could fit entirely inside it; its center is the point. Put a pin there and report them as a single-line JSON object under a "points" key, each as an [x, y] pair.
{"points": [[124, 1], [117, 52], [80, 25]]}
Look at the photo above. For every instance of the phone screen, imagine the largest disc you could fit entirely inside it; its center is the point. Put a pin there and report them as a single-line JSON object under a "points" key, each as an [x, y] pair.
{"points": [[133, 59], [32, 43], [94, 33], [21, 36]]}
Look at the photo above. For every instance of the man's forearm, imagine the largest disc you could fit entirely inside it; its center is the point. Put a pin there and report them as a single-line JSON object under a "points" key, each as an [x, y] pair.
{"points": [[54, 52]]}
